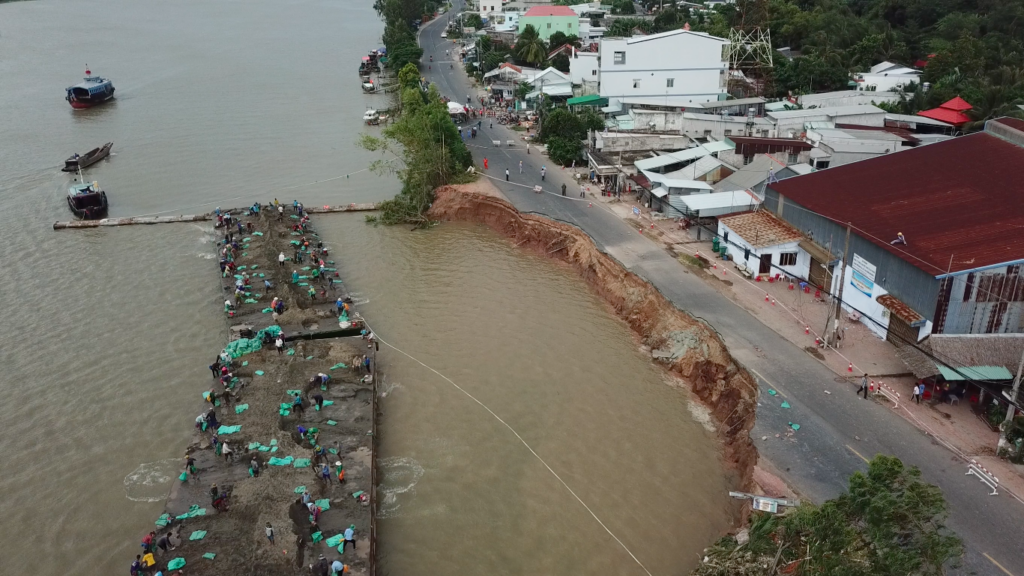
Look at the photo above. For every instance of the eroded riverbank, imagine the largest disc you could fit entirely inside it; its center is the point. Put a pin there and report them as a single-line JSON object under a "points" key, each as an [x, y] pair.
{"points": [[685, 345]]}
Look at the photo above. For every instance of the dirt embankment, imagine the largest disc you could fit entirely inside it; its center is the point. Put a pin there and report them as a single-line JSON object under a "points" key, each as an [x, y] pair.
{"points": [[685, 345]]}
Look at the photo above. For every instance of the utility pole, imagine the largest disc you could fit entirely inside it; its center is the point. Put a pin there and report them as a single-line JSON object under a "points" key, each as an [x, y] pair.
{"points": [[1010, 409], [832, 338]]}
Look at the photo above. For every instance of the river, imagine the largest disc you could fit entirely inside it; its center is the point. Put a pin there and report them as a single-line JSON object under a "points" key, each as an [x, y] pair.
{"points": [[107, 333]]}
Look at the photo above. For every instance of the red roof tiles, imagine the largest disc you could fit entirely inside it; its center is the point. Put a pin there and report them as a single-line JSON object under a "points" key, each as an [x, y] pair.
{"points": [[962, 198], [761, 228], [951, 112], [549, 11]]}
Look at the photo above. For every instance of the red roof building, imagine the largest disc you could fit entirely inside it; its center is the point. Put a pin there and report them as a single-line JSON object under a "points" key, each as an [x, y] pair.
{"points": [[959, 205], [951, 112], [549, 11]]}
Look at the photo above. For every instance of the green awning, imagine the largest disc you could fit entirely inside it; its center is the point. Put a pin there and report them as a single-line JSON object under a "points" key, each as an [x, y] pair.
{"points": [[591, 100], [976, 373]]}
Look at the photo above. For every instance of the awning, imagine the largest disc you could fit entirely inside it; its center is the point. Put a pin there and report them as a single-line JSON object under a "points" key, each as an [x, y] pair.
{"points": [[590, 100], [719, 203], [659, 192], [612, 108], [816, 252], [976, 373], [899, 309]]}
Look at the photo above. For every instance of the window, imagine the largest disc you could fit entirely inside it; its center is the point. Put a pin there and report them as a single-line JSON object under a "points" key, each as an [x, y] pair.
{"points": [[636, 83], [549, 25], [793, 158], [746, 159], [670, 83], [728, 132], [593, 72], [821, 164], [707, 133], [787, 259], [619, 58]]}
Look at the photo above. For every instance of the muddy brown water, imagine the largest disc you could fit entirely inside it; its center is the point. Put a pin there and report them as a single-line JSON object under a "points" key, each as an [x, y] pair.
{"points": [[108, 332]]}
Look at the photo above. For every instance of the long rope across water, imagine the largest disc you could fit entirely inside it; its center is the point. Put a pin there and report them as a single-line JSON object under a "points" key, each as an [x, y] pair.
{"points": [[528, 447]]}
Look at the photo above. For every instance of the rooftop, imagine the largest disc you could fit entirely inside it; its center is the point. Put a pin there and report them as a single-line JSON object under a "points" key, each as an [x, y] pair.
{"points": [[550, 11], [761, 228], [730, 103], [827, 111], [659, 36], [750, 175], [959, 203]]}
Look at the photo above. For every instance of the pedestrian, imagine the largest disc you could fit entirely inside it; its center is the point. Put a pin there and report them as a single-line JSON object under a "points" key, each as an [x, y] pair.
{"points": [[506, 174], [583, 191], [297, 405], [366, 364], [190, 466], [319, 399], [164, 542], [563, 189], [350, 538], [279, 344], [148, 561], [325, 472], [280, 212], [267, 285], [340, 471], [281, 258], [321, 567], [520, 166], [543, 172], [254, 467], [147, 542], [214, 494], [340, 304], [918, 391], [136, 566], [215, 368], [226, 451], [337, 568], [863, 385], [306, 498], [270, 532]]}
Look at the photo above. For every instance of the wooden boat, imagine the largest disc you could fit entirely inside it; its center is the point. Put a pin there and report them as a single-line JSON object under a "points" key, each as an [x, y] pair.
{"points": [[88, 201], [91, 157], [91, 91]]}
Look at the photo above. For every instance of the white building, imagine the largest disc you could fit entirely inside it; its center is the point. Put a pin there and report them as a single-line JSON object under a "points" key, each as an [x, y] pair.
{"points": [[583, 71], [671, 69], [886, 77], [720, 127], [489, 7], [791, 123], [846, 98], [764, 244], [836, 147], [504, 21]]}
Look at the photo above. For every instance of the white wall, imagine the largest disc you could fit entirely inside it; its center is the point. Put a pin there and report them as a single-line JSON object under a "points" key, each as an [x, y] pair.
{"points": [[803, 259], [868, 305], [885, 82], [628, 141], [795, 125], [696, 127], [583, 68], [692, 61]]}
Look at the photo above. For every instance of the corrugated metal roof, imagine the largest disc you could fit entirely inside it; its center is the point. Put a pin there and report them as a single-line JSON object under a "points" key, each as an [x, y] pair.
{"points": [[750, 175], [717, 203], [829, 111], [962, 198], [976, 373], [549, 11], [697, 169], [761, 228], [730, 103], [899, 308], [672, 158]]}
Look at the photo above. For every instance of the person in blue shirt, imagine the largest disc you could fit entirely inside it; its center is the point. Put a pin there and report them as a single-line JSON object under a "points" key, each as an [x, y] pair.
{"points": [[137, 565], [350, 538]]}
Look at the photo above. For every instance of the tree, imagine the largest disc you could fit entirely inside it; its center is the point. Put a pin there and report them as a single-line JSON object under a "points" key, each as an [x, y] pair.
{"points": [[557, 39], [623, 7], [472, 20], [889, 522], [423, 148], [530, 48], [561, 62], [562, 123], [623, 27], [564, 151]]}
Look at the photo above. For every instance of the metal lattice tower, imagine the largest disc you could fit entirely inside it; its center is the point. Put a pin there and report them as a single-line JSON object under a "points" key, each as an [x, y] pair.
{"points": [[750, 46]]}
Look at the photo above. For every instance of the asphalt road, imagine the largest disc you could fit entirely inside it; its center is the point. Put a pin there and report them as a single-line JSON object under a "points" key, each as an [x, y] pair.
{"points": [[837, 431]]}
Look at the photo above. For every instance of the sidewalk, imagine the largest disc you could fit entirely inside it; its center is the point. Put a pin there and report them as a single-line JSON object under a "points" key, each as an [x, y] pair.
{"points": [[800, 318]]}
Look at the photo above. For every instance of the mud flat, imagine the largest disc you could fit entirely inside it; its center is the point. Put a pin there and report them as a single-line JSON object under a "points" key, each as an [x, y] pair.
{"points": [[685, 345], [266, 383]]}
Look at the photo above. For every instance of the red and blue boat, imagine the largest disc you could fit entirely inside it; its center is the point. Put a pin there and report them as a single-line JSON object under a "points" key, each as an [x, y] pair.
{"points": [[91, 91]]}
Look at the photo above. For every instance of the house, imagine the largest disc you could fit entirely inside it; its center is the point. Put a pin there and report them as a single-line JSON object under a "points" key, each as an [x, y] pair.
{"points": [[936, 234], [551, 82], [846, 98], [672, 161], [488, 8], [670, 69], [764, 244], [752, 176], [736, 107], [503, 80], [791, 123], [886, 77], [843, 145], [720, 127], [504, 22], [633, 142], [784, 150], [583, 72], [952, 112], [547, 20]]}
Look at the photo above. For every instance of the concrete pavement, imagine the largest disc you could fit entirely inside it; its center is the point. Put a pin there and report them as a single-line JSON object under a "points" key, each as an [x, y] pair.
{"points": [[838, 430]]}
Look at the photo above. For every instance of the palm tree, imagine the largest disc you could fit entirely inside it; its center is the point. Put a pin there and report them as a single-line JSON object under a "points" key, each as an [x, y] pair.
{"points": [[996, 100], [530, 48]]}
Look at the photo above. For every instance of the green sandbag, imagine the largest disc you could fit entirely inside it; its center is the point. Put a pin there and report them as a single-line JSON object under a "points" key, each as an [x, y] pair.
{"points": [[183, 477], [209, 555], [300, 489], [328, 402], [246, 239], [273, 442], [339, 365], [254, 445], [262, 274], [274, 449], [303, 283], [241, 408], [254, 266], [357, 494], [163, 520], [291, 351], [303, 462], [264, 448], [283, 412], [267, 310], [198, 535], [332, 450], [176, 564], [249, 301], [294, 392], [324, 504], [228, 429], [241, 268], [305, 267], [294, 216], [245, 253], [239, 277], [330, 261], [260, 372], [257, 233], [295, 242], [246, 363], [317, 536], [296, 233], [332, 423], [194, 510], [335, 540], [280, 461], [309, 357]]}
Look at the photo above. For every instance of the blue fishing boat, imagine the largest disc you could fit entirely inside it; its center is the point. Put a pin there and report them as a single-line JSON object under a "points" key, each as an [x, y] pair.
{"points": [[91, 91]]}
